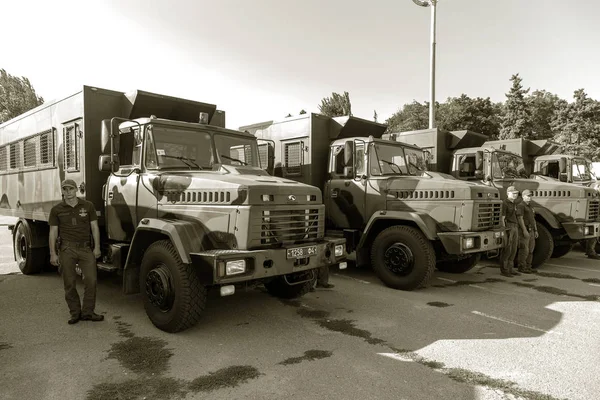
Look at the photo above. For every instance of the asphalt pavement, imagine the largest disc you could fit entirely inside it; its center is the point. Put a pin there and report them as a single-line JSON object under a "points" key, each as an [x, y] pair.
{"points": [[477, 335]]}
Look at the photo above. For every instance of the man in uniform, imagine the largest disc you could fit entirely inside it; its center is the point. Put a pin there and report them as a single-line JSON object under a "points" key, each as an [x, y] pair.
{"points": [[73, 219], [527, 240], [511, 216]]}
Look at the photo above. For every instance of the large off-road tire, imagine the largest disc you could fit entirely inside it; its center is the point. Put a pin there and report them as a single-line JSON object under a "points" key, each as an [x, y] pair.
{"points": [[403, 258], [544, 246], [460, 266], [174, 298], [562, 250], [30, 260], [280, 288]]}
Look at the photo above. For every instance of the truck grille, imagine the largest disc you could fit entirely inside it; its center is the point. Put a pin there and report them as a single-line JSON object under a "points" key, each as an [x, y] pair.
{"points": [[593, 210], [488, 215], [290, 225]]}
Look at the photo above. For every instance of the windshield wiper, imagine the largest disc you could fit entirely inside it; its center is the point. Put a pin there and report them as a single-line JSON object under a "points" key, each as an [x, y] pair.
{"points": [[184, 160], [233, 159], [417, 168], [394, 164]]}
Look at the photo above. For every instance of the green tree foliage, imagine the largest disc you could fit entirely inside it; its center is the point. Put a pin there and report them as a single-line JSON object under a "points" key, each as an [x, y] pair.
{"points": [[410, 117], [302, 112], [577, 125], [289, 115], [336, 106], [516, 120], [17, 96], [543, 106], [464, 113]]}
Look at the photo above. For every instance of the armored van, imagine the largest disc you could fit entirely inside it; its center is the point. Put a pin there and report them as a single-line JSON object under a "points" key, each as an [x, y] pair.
{"points": [[403, 219], [183, 203], [565, 213]]}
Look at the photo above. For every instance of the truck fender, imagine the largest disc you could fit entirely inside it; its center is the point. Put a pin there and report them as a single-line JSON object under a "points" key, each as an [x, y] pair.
{"points": [[424, 222], [38, 232], [186, 237], [545, 215]]}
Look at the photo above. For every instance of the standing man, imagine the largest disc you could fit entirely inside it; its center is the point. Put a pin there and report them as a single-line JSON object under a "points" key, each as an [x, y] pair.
{"points": [[322, 280], [73, 219], [590, 249], [511, 216], [527, 244]]}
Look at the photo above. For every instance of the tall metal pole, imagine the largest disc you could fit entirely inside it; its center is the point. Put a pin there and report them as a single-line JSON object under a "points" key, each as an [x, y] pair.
{"points": [[432, 67]]}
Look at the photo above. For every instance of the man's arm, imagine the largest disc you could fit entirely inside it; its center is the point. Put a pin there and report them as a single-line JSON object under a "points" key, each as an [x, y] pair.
{"points": [[523, 227], [52, 243], [96, 236]]}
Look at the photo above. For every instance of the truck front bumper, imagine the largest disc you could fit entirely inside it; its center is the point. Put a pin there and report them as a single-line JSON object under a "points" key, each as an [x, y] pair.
{"points": [[582, 230], [458, 243], [224, 267]]}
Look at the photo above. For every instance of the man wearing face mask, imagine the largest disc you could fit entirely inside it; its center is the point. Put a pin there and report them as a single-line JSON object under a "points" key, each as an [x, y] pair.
{"points": [[512, 218], [527, 243]]}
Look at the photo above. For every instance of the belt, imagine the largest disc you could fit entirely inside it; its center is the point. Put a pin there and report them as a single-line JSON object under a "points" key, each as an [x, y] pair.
{"points": [[75, 244]]}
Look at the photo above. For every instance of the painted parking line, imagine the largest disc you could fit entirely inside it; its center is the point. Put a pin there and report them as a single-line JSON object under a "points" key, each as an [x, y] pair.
{"points": [[577, 268], [397, 356], [354, 279], [447, 280], [594, 284], [507, 321]]}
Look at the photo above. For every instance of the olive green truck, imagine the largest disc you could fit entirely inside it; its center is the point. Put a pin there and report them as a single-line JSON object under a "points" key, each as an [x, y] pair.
{"points": [[183, 203], [402, 219]]}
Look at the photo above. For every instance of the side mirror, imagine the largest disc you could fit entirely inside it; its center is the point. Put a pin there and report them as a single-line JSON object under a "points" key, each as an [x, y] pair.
{"points": [[107, 127], [478, 161], [270, 158], [105, 165], [563, 177], [478, 174], [349, 172], [562, 166], [349, 153]]}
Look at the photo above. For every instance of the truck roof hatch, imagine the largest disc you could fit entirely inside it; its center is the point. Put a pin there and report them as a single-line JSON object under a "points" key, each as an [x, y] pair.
{"points": [[464, 139], [140, 104], [346, 127]]}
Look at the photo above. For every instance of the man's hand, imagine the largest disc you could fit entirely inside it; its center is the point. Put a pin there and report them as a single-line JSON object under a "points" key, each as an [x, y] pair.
{"points": [[536, 234], [526, 235], [97, 252], [54, 259]]}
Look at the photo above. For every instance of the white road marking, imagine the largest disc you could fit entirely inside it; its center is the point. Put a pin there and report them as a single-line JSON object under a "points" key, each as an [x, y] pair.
{"points": [[594, 284], [447, 280], [397, 356], [491, 290], [577, 268], [513, 322], [354, 279]]}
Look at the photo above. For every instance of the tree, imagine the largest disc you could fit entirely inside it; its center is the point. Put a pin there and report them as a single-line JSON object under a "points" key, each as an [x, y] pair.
{"points": [[464, 113], [577, 125], [375, 115], [336, 106], [17, 96], [543, 106], [302, 112], [289, 115], [410, 117], [516, 121]]}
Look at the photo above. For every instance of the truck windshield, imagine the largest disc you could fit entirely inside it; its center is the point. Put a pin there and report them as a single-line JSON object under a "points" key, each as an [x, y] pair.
{"points": [[396, 160], [234, 150], [582, 170], [507, 165]]}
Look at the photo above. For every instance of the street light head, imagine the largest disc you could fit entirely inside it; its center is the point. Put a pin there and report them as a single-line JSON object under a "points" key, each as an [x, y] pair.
{"points": [[422, 3]]}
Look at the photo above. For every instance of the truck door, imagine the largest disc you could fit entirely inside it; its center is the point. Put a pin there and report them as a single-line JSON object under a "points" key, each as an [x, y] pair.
{"points": [[345, 195]]}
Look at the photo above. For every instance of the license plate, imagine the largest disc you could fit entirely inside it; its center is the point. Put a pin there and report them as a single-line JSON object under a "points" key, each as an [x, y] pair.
{"points": [[302, 252]]}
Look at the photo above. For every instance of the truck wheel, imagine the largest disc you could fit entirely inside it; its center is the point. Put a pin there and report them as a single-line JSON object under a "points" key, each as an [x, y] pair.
{"points": [[544, 246], [403, 258], [460, 266], [279, 287], [173, 296], [30, 261], [562, 250]]}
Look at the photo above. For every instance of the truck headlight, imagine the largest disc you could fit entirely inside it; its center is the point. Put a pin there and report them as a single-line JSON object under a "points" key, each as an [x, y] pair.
{"points": [[235, 267], [586, 230], [267, 197], [468, 243], [339, 250]]}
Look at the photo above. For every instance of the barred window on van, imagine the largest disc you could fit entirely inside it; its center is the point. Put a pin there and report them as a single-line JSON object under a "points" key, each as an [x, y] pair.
{"points": [[15, 155], [3, 158], [47, 148], [30, 152], [293, 158], [71, 146]]}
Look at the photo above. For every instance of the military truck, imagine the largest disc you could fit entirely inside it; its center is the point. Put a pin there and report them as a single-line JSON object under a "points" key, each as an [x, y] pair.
{"points": [[183, 203], [565, 213], [380, 197]]}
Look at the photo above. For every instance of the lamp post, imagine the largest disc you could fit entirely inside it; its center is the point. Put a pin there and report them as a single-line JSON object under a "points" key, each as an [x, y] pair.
{"points": [[432, 4]]}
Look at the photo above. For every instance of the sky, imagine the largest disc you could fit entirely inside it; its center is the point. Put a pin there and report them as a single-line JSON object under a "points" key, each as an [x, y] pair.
{"points": [[261, 59]]}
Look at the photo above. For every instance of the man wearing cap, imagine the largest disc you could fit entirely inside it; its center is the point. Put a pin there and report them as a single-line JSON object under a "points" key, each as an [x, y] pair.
{"points": [[527, 244], [73, 219], [511, 216]]}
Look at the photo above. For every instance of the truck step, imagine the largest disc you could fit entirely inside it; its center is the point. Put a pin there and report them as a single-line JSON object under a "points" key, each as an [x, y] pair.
{"points": [[107, 267]]}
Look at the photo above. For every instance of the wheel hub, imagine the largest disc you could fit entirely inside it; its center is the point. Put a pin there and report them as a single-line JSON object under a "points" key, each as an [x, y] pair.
{"points": [[159, 288], [21, 248], [399, 259]]}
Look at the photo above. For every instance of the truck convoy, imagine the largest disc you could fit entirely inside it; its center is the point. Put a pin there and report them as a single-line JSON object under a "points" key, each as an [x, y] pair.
{"points": [[183, 203], [380, 197], [565, 213]]}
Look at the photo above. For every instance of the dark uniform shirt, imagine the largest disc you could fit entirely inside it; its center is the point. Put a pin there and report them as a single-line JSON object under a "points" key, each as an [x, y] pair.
{"points": [[511, 211], [73, 222], [528, 215]]}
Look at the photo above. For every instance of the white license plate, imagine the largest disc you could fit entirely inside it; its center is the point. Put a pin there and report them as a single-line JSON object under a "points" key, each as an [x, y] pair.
{"points": [[302, 252]]}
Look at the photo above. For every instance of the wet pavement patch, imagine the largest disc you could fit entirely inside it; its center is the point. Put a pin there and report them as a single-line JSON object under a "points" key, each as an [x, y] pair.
{"points": [[123, 329], [438, 304], [310, 355], [223, 378], [557, 291], [466, 283], [347, 327], [556, 275], [142, 354], [156, 388], [432, 364], [5, 346], [530, 280], [591, 280]]}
